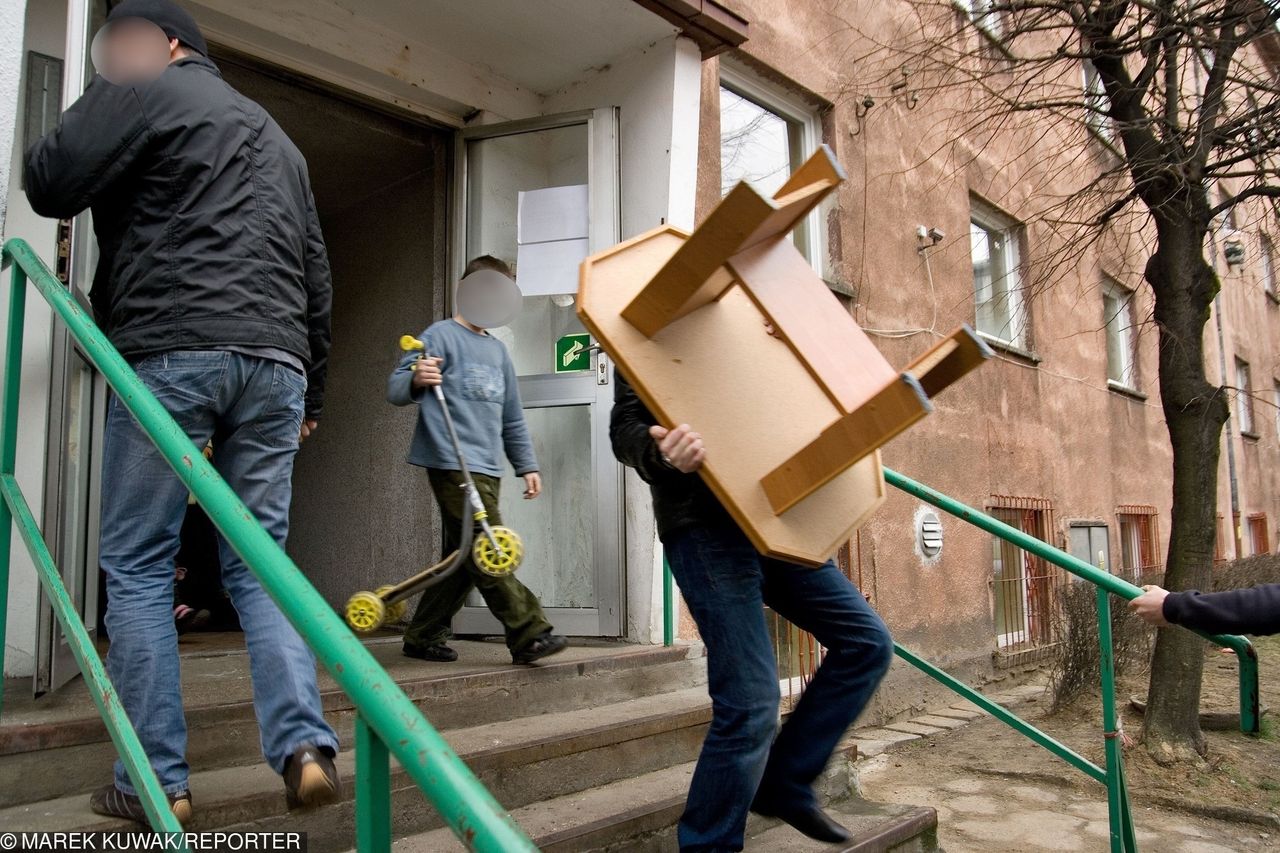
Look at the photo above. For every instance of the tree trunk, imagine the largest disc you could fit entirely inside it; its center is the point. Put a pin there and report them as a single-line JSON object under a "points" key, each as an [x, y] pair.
{"points": [[1184, 286]]}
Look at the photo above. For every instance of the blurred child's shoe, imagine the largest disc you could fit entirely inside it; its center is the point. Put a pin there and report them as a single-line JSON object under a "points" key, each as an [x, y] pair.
{"points": [[544, 646], [440, 653]]}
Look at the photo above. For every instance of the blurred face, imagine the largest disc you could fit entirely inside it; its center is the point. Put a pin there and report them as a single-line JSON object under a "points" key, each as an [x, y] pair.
{"points": [[488, 299], [130, 50]]}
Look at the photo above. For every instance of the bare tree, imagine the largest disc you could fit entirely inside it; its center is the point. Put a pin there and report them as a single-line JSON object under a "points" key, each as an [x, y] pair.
{"points": [[1184, 98]]}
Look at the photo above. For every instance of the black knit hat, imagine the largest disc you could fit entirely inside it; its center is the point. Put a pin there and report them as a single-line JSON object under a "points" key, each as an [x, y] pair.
{"points": [[176, 22]]}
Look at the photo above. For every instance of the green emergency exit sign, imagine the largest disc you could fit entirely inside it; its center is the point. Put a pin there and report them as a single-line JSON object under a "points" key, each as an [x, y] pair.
{"points": [[573, 353]]}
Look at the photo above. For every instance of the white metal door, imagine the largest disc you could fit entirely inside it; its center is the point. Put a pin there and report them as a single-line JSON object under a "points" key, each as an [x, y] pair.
{"points": [[573, 532]]}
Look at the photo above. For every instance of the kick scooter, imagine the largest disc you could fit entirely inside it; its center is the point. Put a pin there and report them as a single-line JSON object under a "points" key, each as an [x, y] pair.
{"points": [[497, 550]]}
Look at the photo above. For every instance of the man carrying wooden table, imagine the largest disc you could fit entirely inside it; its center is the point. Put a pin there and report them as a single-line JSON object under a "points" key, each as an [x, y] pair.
{"points": [[727, 584]]}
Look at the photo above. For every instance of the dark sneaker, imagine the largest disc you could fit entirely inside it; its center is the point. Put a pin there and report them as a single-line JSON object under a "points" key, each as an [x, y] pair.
{"points": [[439, 653], [310, 779], [112, 802], [545, 646], [189, 619]]}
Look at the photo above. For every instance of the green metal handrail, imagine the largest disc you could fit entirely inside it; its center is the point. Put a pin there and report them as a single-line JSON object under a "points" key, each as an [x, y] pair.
{"points": [[1123, 836], [1244, 650], [388, 721]]}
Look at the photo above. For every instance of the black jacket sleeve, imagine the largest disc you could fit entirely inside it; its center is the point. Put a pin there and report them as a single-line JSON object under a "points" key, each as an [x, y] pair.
{"points": [[319, 305], [629, 424], [1255, 610], [96, 141]]}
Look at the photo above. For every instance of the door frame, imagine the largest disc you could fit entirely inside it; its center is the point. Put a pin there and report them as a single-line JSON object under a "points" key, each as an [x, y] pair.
{"points": [[593, 387], [55, 664]]}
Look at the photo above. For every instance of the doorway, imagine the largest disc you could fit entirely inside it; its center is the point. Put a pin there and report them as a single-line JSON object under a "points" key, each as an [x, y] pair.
{"points": [[542, 193], [361, 516]]}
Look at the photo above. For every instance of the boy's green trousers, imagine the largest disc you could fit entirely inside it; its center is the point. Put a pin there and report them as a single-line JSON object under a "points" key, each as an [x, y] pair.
{"points": [[515, 606]]}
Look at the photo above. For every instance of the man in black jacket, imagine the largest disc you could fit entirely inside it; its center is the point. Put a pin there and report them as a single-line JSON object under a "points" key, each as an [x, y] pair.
{"points": [[1255, 610], [213, 281], [727, 584]]}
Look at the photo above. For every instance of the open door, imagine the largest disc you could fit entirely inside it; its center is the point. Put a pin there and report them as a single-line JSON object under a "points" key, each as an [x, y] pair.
{"points": [[77, 413], [573, 532]]}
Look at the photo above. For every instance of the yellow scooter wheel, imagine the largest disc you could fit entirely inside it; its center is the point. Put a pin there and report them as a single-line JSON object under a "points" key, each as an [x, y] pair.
{"points": [[394, 612], [501, 562], [365, 612]]}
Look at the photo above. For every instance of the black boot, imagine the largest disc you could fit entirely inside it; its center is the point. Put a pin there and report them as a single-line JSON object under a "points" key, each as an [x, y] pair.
{"points": [[440, 653], [812, 821]]}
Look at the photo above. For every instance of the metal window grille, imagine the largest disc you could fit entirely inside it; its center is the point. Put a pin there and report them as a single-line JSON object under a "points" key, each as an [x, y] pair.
{"points": [[1139, 541], [1024, 587], [1259, 540], [798, 653]]}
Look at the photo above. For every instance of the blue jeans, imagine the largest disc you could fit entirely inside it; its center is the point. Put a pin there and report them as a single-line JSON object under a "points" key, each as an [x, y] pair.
{"points": [[727, 584], [252, 410]]}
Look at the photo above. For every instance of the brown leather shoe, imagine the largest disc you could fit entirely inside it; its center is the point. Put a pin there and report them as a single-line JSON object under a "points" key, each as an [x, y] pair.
{"points": [[310, 779], [112, 802]]}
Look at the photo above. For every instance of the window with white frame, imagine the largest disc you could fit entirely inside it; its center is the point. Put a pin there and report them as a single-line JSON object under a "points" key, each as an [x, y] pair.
{"points": [[1276, 400], [765, 135], [1097, 105], [1117, 313], [1244, 397], [984, 15], [1267, 264], [1000, 310]]}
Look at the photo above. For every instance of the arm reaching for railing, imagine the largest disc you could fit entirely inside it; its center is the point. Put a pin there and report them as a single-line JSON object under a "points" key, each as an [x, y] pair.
{"points": [[1253, 610]]}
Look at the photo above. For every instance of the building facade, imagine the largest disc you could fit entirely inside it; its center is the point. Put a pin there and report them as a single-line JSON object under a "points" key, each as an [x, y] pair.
{"points": [[1062, 434], [426, 123]]}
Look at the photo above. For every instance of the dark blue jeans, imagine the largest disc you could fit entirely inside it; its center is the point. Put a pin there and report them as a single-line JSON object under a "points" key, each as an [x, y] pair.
{"points": [[252, 409], [727, 584]]}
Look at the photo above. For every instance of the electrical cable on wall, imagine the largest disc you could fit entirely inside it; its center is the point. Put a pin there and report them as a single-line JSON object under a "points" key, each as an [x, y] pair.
{"points": [[929, 238]]}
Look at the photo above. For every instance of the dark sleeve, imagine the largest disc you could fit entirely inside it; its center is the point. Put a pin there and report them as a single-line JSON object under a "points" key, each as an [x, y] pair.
{"points": [[629, 425], [319, 304], [1254, 610], [97, 140]]}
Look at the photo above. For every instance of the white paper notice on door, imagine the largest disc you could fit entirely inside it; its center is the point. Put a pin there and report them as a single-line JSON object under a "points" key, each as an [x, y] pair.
{"points": [[551, 233]]}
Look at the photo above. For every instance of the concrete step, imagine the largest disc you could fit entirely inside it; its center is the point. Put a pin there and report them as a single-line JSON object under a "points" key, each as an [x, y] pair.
{"points": [[876, 828], [523, 761], [57, 746], [639, 815]]}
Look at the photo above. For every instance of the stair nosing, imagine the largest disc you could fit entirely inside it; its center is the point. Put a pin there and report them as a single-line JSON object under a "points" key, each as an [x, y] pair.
{"points": [[547, 842], [908, 825]]}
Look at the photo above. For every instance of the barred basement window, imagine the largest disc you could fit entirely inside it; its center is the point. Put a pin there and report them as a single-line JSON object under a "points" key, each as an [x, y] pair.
{"points": [[1139, 541], [1024, 586], [1259, 539]]}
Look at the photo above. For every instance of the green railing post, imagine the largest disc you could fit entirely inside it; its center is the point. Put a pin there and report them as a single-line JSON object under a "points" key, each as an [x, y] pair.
{"points": [[668, 605], [373, 790], [9, 438], [466, 806], [1245, 653], [1123, 837]]}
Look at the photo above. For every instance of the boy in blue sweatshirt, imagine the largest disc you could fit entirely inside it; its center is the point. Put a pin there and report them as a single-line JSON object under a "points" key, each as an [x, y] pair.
{"points": [[484, 399]]}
